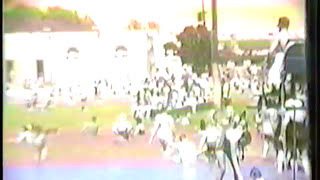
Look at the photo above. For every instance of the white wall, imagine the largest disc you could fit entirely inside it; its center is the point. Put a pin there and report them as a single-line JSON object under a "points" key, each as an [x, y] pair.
{"points": [[135, 65], [96, 55]]}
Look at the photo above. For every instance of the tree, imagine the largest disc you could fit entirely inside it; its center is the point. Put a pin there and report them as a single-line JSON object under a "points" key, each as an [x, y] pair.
{"points": [[195, 47], [153, 26], [201, 17], [170, 46], [23, 18], [134, 25]]}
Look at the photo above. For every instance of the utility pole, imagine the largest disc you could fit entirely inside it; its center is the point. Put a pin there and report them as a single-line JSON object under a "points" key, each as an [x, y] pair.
{"points": [[214, 55], [214, 14], [214, 32], [203, 14]]}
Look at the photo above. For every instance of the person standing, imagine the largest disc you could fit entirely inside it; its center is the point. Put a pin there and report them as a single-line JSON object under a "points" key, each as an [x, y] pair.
{"points": [[164, 130], [187, 153], [277, 49]]}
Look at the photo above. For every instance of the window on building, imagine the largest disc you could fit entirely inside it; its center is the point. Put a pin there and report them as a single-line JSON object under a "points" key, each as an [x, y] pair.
{"points": [[121, 52], [8, 70], [72, 53], [40, 69]]}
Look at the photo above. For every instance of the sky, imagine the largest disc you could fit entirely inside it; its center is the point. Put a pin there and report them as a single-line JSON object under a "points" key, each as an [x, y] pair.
{"points": [[234, 16]]}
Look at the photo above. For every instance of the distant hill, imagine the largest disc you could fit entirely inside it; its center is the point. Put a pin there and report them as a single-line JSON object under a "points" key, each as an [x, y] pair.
{"points": [[30, 19]]}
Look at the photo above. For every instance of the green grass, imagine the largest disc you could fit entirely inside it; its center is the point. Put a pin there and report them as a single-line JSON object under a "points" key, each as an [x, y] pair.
{"points": [[71, 118], [254, 44], [205, 113], [248, 45], [251, 44], [255, 60], [67, 118]]}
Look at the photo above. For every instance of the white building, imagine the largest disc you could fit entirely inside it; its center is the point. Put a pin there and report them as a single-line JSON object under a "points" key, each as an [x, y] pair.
{"points": [[29, 55]]}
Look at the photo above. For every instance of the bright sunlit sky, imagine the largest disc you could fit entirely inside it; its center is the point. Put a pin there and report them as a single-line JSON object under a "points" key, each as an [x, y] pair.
{"points": [[234, 16]]}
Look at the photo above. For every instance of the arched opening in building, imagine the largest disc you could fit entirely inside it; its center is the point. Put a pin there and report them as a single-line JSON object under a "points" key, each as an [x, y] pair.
{"points": [[8, 71], [121, 52], [73, 53], [40, 69]]}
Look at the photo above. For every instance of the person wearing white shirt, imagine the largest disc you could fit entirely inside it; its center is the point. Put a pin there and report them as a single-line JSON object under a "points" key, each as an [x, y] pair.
{"points": [[233, 135], [26, 135], [269, 120], [187, 150], [212, 145], [298, 116], [278, 47], [40, 142], [255, 89], [163, 129], [187, 155], [123, 127], [35, 136]]}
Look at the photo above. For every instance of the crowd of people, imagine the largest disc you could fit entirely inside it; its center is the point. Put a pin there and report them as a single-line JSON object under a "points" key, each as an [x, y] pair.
{"points": [[180, 87], [239, 79], [168, 90]]}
